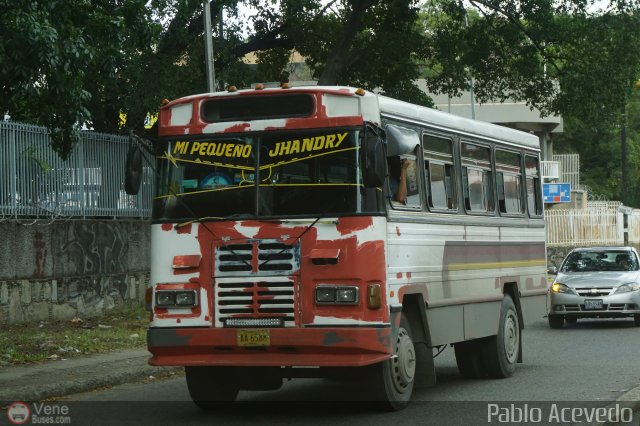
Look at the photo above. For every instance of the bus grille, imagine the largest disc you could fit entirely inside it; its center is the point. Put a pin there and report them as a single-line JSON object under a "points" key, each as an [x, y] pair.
{"points": [[255, 300], [264, 257]]}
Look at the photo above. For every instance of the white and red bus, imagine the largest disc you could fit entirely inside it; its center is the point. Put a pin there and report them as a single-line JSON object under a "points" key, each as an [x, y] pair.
{"points": [[278, 250]]}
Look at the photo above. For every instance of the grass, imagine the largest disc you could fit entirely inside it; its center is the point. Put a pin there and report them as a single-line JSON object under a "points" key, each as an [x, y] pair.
{"points": [[28, 343]]}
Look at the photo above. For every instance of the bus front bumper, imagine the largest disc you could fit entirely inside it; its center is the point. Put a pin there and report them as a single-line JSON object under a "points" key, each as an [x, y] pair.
{"points": [[323, 347]]}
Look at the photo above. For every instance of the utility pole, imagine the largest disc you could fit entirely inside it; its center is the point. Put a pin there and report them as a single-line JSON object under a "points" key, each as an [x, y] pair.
{"points": [[208, 43]]}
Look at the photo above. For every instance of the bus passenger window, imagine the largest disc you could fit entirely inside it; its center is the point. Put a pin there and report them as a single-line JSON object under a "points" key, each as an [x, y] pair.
{"points": [[438, 166], [509, 176], [533, 185], [403, 180], [477, 180], [440, 186]]}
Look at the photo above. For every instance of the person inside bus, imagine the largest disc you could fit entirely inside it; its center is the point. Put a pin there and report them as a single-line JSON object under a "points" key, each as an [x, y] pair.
{"points": [[398, 178]]}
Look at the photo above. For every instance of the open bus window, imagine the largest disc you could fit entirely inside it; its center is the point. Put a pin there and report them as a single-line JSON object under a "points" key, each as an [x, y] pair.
{"points": [[534, 195], [404, 188], [477, 182], [508, 176], [438, 165]]}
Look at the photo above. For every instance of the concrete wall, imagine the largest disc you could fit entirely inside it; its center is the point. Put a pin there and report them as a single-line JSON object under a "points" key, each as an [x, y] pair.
{"points": [[73, 268]]}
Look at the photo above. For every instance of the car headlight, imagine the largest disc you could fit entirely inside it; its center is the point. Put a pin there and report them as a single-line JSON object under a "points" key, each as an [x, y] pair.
{"points": [[561, 288], [626, 288]]}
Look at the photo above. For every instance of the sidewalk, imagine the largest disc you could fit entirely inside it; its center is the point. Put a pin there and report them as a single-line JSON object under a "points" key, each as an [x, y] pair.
{"points": [[35, 382]]}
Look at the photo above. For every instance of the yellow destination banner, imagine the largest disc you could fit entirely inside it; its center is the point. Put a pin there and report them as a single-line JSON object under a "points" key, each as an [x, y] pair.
{"points": [[212, 149], [307, 145]]}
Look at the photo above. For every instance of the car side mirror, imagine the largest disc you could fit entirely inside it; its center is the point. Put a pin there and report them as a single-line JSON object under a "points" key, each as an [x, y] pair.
{"points": [[552, 270], [373, 163], [133, 167]]}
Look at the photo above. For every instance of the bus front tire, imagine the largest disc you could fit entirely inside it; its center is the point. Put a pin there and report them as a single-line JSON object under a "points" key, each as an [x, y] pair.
{"points": [[501, 352], [395, 377], [210, 388]]}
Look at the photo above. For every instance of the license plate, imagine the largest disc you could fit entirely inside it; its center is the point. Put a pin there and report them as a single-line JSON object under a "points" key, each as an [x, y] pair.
{"points": [[593, 304], [256, 337]]}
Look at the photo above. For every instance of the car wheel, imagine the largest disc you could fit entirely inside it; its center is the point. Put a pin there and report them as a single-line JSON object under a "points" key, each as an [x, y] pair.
{"points": [[636, 320], [556, 321], [571, 320], [393, 379], [501, 352], [210, 388], [469, 359]]}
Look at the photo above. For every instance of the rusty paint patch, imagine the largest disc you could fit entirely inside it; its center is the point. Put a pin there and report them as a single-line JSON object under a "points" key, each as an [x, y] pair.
{"points": [[237, 128], [184, 229]]}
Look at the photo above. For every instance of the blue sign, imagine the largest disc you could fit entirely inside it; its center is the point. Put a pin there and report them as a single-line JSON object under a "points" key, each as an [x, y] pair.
{"points": [[556, 192]]}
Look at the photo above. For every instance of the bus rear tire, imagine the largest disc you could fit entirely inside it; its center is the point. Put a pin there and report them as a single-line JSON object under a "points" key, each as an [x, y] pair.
{"points": [[210, 388], [501, 352], [469, 359], [394, 378]]}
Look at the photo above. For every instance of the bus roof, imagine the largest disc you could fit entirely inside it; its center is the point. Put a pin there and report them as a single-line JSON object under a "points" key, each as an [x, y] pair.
{"points": [[438, 119], [372, 106]]}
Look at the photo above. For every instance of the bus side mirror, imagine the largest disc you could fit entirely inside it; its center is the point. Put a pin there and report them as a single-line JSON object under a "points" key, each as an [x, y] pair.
{"points": [[373, 157], [133, 167]]}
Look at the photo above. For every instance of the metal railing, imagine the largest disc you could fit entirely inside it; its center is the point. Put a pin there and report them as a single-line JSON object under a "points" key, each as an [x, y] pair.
{"points": [[36, 183], [550, 170], [601, 223], [569, 168], [584, 227]]}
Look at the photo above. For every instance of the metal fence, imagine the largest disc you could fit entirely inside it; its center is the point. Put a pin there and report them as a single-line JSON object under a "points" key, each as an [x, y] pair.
{"points": [[569, 168], [36, 183], [599, 224]]}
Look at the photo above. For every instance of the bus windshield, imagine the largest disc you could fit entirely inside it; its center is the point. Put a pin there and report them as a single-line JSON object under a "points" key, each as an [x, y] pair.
{"points": [[276, 174]]}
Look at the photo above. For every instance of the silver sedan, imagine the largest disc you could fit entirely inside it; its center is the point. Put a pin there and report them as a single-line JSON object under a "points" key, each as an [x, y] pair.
{"points": [[596, 282]]}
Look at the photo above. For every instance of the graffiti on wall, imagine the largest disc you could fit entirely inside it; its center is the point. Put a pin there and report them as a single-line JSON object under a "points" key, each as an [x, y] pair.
{"points": [[95, 248]]}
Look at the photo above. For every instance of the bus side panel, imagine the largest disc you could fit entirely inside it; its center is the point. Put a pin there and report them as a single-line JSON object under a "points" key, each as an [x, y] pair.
{"points": [[464, 268], [446, 324]]}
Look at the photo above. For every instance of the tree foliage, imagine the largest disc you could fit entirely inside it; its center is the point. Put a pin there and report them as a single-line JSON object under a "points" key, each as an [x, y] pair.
{"points": [[69, 63], [59, 60]]}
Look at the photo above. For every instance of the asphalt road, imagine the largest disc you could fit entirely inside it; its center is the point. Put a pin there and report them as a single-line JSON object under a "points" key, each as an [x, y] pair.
{"points": [[585, 365]]}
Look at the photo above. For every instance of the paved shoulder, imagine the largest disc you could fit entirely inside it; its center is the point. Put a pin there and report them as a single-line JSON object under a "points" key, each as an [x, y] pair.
{"points": [[63, 377]]}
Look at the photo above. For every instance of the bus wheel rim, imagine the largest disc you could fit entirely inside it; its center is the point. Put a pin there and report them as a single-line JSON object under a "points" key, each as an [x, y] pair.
{"points": [[511, 337], [404, 361]]}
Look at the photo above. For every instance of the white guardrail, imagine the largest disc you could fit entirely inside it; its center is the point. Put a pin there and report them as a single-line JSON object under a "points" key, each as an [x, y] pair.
{"points": [[600, 224]]}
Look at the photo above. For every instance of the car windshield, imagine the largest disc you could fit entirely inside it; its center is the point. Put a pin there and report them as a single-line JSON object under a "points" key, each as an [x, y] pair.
{"points": [[600, 260]]}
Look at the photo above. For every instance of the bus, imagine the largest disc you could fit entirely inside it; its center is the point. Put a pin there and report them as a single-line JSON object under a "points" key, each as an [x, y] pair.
{"points": [[278, 249]]}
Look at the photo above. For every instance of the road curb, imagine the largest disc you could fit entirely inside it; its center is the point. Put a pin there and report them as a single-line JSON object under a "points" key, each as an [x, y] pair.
{"points": [[38, 392], [52, 379], [629, 399]]}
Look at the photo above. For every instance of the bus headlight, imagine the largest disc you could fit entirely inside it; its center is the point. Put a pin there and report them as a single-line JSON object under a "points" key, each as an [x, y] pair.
{"points": [[176, 298], [336, 295]]}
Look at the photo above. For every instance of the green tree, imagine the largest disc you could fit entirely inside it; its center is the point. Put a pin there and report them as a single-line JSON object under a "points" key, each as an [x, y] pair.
{"points": [[60, 58], [63, 64]]}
